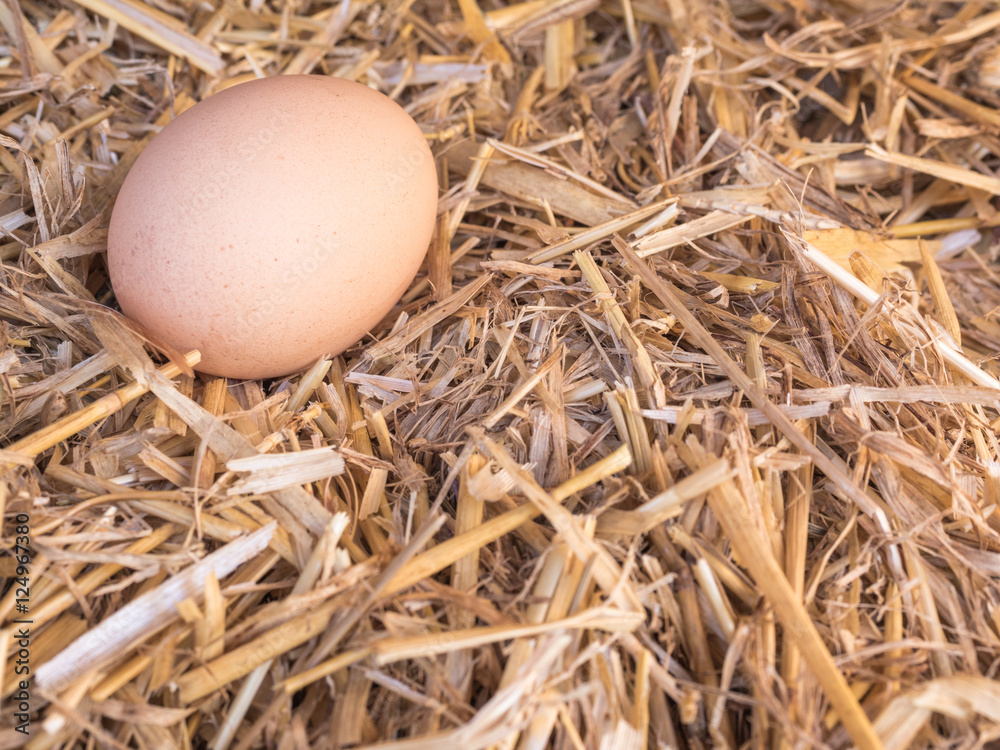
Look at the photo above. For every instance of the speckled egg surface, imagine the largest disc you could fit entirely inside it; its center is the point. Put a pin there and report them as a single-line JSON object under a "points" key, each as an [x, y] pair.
{"points": [[274, 222]]}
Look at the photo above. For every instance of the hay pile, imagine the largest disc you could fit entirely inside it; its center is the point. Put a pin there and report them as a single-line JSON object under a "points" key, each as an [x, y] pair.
{"points": [[684, 438]]}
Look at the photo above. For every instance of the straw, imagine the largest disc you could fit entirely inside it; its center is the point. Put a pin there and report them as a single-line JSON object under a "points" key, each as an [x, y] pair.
{"points": [[683, 435]]}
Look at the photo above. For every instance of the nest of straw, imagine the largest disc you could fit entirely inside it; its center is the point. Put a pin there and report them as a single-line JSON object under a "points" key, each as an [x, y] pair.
{"points": [[684, 437]]}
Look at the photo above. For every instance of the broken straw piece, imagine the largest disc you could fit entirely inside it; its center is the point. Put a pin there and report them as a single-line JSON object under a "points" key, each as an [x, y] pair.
{"points": [[275, 471], [127, 627]]}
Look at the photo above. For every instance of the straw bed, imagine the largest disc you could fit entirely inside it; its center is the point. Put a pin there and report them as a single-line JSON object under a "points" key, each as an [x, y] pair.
{"points": [[684, 436]]}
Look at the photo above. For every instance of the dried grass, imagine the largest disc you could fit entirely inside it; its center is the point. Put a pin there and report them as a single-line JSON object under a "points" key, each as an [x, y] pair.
{"points": [[684, 437]]}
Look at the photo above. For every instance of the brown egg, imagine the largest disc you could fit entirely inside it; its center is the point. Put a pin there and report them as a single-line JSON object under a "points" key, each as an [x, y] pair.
{"points": [[277, 221]]}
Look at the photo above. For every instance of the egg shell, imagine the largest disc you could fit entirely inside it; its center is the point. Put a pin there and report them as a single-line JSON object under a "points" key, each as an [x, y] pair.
{"points": [[274, 222]]}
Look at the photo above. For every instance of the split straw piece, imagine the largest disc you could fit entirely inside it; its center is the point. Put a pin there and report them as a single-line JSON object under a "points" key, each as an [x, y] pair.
{"points": [[479, 162], [337, 21], [709, 224], [479, 31], [276, 471], [598, 233], [89, 581], [535, 185], [950, 172], [979, 113], [296, 682], [45, 438], [465, 572], [939, 294], [146, 615], [610, 619], [543, 162], [942, 226], [159, 28], [666, 504], [641, 362]]}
